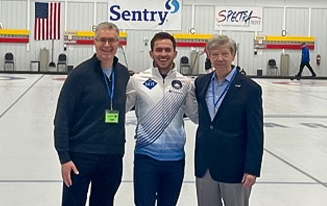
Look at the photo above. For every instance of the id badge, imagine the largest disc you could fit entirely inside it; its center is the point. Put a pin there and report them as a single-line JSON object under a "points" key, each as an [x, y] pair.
{"points": [[111, 116]]}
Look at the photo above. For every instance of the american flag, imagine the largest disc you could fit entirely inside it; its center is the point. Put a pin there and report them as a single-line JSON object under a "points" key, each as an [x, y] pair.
{"points": [[47, 21]]}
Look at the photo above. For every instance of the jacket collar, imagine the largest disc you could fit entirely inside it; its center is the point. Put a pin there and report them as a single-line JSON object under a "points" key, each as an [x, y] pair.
{"points": [[98, 62], [156, 73]]}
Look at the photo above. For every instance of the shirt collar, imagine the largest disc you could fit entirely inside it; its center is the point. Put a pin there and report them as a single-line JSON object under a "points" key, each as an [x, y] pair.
{"points": [[107, 72], [228, 77]]}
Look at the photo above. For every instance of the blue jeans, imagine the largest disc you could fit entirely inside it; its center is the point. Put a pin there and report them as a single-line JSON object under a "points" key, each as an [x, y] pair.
{"points": [[157, 180], [103, 171]]}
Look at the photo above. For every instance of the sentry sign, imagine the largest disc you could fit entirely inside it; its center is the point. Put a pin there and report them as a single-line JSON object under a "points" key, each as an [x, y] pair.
{"points": [[237, 18], [146, 14]]}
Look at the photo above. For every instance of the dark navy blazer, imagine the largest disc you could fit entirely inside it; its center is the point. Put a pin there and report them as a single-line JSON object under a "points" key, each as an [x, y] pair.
{"points": [[232, 143]]}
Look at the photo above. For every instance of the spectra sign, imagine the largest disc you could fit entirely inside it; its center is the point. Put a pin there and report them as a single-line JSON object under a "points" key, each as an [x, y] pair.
{"points": [[238, 18], [146, 14]]}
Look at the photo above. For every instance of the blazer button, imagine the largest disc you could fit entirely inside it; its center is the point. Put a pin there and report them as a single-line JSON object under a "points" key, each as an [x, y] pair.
{"points": [[211, 127]]}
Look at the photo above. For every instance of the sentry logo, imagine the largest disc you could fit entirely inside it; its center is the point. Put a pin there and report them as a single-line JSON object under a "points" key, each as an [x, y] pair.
{"points": [[171, 6]]}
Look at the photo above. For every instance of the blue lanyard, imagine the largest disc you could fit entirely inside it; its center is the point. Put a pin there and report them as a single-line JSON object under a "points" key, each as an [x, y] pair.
{"points": [[110, 93], [224, 92]]}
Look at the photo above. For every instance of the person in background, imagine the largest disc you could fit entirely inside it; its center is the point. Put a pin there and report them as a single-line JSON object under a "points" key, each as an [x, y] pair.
{"points": [[207, 64], [305, 61], [90, 124], [161, 96], [229, 138]]}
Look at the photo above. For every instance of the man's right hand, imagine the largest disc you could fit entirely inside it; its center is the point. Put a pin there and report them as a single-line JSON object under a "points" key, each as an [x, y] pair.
{"points": [[66, 171]]}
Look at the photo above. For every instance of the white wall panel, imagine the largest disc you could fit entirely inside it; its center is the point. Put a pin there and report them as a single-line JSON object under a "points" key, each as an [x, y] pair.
{"points": [[272, 22], [204, 23], [244, 59], [186, 18], [294, 64], [13, 14], [270, 3], [20, 57], [304, 3], [137, 50], [241, 2], [102, 12], [297, 21], [76, 54], [81, 15], [319, 30], [206, 2]]}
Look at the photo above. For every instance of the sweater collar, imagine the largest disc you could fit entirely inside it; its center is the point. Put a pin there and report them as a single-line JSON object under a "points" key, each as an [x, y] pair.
{"points": [[98, 62]]}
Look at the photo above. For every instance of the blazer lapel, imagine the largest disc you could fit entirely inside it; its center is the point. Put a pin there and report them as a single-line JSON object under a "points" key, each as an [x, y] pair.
{"points": [[203, 91]]}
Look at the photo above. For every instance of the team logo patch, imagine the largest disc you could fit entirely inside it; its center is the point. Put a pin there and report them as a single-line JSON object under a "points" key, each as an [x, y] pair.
{"points": [[150, 83], [176, 84]]}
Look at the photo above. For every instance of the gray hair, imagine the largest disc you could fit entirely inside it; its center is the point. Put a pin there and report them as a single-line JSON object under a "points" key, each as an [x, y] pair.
{"points": [[106, 25], [219, 40]]}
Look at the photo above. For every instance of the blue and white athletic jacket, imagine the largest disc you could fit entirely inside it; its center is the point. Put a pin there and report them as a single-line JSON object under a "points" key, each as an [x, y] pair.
{"points": [[159, 106]]}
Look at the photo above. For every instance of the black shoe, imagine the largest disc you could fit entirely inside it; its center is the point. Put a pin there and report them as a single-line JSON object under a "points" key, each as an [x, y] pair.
{"points": [[314, 75]]}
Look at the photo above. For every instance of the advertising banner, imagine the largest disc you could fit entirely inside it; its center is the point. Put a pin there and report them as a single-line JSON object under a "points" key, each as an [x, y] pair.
{"points": [[238, 18], [146, 14]]}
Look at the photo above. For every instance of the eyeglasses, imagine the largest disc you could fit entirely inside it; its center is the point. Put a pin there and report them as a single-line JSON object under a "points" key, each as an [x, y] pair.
{"points": [[105, 40]]}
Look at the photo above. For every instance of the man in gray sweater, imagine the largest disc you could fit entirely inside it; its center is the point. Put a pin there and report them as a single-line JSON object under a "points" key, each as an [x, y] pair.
{"points": [[89, 124]]}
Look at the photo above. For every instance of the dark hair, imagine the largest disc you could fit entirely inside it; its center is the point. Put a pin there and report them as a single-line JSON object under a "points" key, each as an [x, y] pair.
{"points": [[161, 36]]}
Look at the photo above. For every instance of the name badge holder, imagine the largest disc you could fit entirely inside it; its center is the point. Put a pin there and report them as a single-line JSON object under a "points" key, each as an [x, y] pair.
{"points": [[111, 116]]}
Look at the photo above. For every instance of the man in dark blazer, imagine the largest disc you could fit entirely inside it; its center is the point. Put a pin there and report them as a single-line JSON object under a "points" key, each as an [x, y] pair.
{"points": [[229, 139]]}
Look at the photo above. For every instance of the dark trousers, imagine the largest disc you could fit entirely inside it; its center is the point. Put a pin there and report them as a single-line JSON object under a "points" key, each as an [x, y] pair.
{"points": [[157, 180], [104, 172], [307, 64]]}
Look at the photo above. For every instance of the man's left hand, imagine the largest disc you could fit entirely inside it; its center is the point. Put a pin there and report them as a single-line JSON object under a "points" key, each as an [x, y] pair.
{"points": [[248, 180]]}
